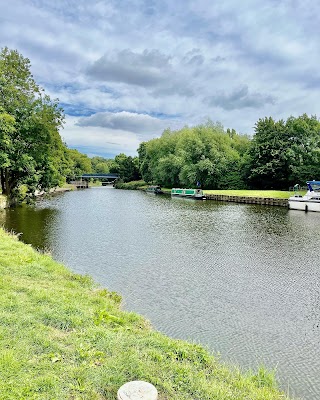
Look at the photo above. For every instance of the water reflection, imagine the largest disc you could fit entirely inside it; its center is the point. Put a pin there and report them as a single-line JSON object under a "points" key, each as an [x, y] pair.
{"points": [[241, 279], [32, 223]]}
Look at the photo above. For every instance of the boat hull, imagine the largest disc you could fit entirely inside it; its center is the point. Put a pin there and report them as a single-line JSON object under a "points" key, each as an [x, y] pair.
{"points": [[304, 205]]}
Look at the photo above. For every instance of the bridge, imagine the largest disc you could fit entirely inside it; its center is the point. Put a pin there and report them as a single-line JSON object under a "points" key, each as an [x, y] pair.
{"points": [[83, 179], [111, 176]]}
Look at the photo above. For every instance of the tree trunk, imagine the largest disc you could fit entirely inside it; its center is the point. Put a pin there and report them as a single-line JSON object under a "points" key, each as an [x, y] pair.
{"points": [[6, 185], [2, 181], [11, 200]]}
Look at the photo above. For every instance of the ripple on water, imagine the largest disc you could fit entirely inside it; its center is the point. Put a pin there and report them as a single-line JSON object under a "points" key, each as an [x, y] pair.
{"points": [[240, 279]]}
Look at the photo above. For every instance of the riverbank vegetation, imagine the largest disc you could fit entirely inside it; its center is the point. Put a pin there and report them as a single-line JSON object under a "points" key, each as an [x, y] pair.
{"points": [[280, 154], [62, 337], [31, 149], [274, 194], [132, 185]]}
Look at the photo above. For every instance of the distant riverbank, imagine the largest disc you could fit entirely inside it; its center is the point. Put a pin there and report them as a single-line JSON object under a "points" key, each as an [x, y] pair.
{"points": [[62, 336], [270, 194], [66, 188]]}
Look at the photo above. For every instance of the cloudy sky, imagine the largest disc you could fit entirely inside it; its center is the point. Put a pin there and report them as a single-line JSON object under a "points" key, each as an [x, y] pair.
{"points": [[126, 70]]}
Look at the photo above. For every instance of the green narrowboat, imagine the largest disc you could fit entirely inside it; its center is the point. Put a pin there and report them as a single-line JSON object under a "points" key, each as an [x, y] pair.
{"points": [[190, 193]]}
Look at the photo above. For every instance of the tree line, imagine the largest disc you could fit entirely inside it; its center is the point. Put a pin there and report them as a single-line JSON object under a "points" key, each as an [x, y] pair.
{"points": [[280, 154], [32, 153]]}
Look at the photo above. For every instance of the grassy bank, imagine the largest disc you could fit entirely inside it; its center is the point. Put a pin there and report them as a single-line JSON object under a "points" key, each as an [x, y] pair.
{"points": [[133, 185], [275, 194], [61, 337]]}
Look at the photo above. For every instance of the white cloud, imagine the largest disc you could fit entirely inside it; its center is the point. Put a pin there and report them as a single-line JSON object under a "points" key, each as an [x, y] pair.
{"points": [[146, 69], [240, 98], [125, 121]]}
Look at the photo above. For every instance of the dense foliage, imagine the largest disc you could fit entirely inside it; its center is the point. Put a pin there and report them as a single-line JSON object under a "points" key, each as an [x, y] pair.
{"points": [[284, 153], [280, 155], [31, 150], [205, 155], [127, 167]]}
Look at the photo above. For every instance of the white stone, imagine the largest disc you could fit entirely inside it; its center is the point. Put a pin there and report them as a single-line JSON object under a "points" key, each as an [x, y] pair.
{"points": [[137, 390]]}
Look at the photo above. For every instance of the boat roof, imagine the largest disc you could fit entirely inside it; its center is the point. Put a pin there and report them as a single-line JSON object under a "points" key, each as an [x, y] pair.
{"points": [[314, 182], [313, 186]]}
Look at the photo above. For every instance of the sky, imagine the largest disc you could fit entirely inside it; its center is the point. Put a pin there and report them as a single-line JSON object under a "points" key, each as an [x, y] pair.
{"points": [[124, 71]]}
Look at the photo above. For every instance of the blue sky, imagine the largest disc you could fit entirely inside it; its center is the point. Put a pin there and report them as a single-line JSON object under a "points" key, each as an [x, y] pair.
{"points": [[126, 70]]}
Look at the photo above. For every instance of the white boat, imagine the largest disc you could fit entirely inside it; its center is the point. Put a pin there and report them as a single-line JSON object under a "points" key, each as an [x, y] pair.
{"points": [[310, 201], [190, 193]]}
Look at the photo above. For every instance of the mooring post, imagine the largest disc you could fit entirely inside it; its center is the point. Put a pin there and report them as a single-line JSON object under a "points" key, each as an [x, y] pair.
{"points": [[137, 390]]}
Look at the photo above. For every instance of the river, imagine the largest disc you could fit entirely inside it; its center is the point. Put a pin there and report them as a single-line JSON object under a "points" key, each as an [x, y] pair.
{"points": [[242, 280]]}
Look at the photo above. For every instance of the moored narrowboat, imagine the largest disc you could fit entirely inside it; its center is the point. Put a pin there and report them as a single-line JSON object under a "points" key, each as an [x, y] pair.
{"points": [[154, 189], [189, 193]]}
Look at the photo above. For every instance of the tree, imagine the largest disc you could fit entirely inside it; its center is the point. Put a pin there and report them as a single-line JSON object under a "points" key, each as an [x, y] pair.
{"points": [[204, 153], [127, 167], [303, 151], [168, 170], [7, 128], [144, 163], [269, 167], [101, 165], [284, 153], [80, 163], [31, 149]]}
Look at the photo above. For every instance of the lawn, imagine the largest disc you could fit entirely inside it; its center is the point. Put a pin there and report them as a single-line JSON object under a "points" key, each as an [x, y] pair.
{"points": [[276, 194]]}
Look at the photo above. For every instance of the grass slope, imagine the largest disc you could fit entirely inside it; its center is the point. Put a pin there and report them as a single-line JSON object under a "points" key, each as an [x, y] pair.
{"points": [[61, 337], [275, 194]]}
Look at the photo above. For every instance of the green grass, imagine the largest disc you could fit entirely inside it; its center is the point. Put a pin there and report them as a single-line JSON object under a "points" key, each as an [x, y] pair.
{"points": [[276, 194], [133, 185], [62, 337]]}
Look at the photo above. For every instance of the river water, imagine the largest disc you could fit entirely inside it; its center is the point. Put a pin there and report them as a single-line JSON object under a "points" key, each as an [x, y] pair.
{"points": [[242, 280]]}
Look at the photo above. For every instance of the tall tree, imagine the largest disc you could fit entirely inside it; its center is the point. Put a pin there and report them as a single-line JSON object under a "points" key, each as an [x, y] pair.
{"points": [[269, 167], [127, 167], [204, 154], [7, 128], [304, 149], [32, 151], [101, 165], [80, 163], [284, 153]]}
